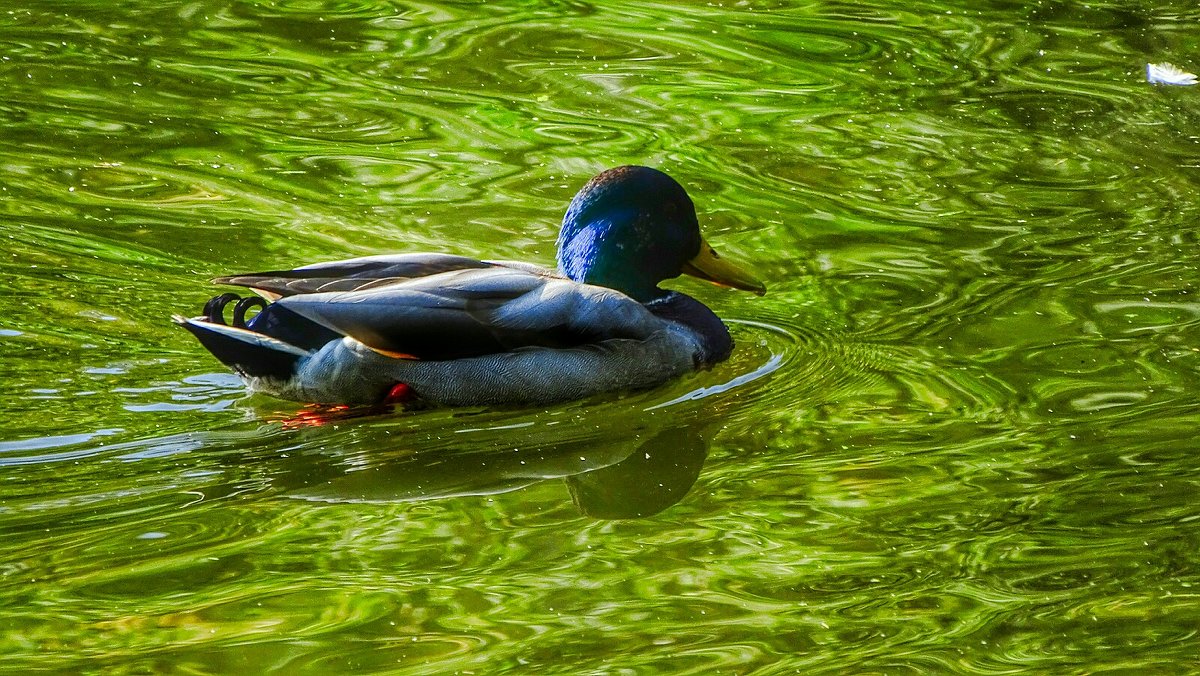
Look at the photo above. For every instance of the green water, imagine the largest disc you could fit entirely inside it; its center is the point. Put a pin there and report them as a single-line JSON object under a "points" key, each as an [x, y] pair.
{"points": [[958, 435]]}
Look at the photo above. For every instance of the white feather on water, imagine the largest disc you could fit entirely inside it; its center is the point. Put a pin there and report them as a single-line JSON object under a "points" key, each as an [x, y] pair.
{"points": [[1165, 73]]}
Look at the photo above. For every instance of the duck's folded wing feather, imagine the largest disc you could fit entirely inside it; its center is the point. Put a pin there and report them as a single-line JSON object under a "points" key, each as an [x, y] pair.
{"points": [[471, 313], [354, 274]]}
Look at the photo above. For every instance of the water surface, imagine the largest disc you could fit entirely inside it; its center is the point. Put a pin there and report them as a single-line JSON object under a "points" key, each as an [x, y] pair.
{"points": [[957, 435]]}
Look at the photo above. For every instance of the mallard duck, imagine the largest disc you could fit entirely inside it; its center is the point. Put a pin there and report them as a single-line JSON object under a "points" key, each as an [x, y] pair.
{"points": [[450, 330]]}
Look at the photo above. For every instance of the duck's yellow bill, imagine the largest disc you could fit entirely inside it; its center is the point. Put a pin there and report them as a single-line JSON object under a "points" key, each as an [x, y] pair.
{"points": [[708, 265]]}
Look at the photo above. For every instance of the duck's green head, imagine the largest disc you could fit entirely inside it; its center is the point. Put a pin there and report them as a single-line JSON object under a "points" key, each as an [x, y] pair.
{"points": [[632, 227]]}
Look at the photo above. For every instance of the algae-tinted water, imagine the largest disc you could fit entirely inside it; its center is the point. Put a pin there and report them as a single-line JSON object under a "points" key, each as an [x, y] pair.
{"points": [[957, 435]]}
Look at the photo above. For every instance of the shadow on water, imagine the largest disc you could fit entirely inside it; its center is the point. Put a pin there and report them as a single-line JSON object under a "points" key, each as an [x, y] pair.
{"points": [[609, 476]]}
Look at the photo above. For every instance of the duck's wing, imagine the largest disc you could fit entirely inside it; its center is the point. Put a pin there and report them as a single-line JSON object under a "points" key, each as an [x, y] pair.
{"points": [[469, 313], [355, 274]]}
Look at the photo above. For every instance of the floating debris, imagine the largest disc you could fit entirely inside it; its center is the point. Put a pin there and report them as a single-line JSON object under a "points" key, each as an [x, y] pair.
{"points": [[1165, 73]]}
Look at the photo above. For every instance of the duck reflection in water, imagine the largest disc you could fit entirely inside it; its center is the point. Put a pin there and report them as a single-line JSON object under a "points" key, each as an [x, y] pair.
{"points": [[635, 476]]}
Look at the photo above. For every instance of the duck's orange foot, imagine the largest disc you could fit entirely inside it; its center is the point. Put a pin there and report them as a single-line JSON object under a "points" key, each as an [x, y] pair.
{"points": [[315, 415], [399, 394]]}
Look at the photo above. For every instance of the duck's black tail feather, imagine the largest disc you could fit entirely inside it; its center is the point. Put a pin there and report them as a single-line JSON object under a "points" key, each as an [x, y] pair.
{"points": [[247, 352]]}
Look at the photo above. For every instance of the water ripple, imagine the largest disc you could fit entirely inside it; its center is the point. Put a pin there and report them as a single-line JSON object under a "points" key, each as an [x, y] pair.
{"points": [[955, 437]]}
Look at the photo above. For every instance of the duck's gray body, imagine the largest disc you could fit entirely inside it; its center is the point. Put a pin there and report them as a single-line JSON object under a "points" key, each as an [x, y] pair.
{"points": [[487, 333], [347, 371]]}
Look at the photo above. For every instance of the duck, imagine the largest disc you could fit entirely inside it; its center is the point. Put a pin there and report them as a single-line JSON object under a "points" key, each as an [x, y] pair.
{"points": [[440, 329]]}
